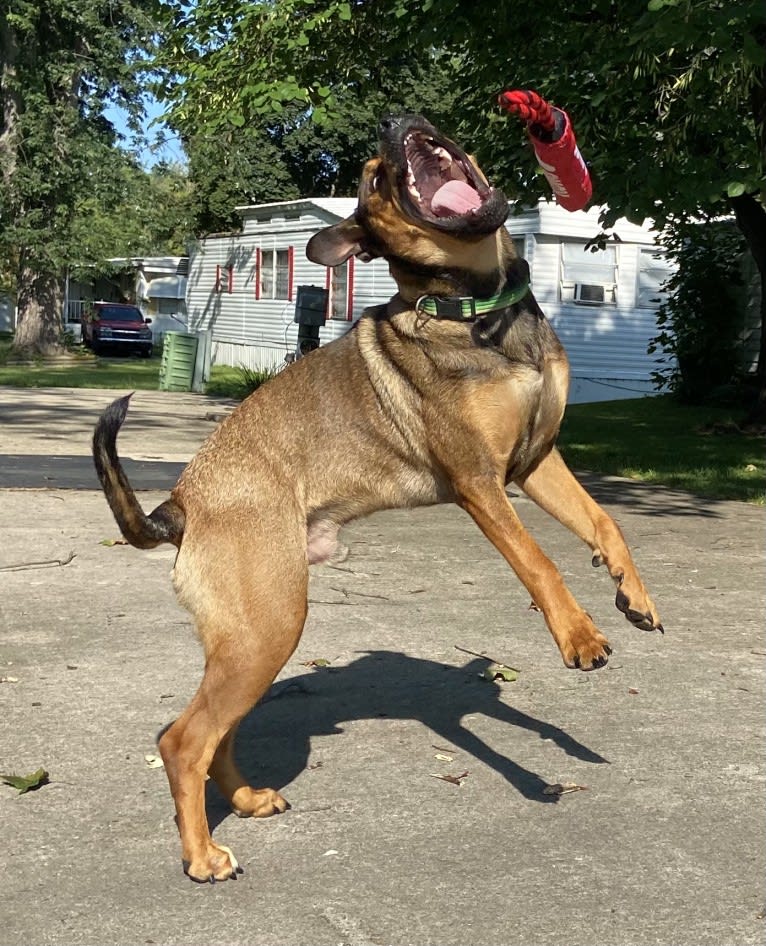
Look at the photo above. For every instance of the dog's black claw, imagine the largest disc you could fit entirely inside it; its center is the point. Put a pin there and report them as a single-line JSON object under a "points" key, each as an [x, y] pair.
{"points": [[211, 880], [233, 875], [240, 870], [607, 648], [661, 629], [577, 661], [597, 561]]}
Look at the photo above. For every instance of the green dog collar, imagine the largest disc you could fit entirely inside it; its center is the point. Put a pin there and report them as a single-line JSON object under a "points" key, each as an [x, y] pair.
{"points": [[468, 308]]}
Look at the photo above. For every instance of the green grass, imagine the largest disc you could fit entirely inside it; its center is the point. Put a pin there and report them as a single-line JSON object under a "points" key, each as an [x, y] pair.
{"points": [[657, 440], [126, 372]]}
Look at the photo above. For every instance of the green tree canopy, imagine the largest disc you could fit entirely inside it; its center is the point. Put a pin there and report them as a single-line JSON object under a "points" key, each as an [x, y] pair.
{"points": [[288, 154], [667, 96], [61, 63]]}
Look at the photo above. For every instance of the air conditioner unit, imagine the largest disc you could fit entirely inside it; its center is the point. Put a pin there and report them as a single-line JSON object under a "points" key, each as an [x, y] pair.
{"points": [[593, 293]]}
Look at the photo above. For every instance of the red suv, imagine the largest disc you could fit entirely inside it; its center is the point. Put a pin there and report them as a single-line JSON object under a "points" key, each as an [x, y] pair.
{"points": [[107, 324]]}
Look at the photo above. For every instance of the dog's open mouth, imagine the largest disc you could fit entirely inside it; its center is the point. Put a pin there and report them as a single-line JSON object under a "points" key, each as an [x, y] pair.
{"points": [[441, 181]]}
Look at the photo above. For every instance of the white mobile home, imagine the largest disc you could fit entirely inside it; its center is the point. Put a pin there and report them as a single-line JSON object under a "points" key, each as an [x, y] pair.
{"points": [[603, 304], [157, 284], [243, 287]]}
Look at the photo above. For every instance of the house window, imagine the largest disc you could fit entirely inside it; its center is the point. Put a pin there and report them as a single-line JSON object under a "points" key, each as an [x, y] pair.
{"points": [[274, 271], [169, 306], [224, 278], [588, 277], [653, 270], [340, 283]]}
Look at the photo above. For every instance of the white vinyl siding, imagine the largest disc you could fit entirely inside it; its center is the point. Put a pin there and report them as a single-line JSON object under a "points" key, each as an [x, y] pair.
{"points": [[606, 343]]}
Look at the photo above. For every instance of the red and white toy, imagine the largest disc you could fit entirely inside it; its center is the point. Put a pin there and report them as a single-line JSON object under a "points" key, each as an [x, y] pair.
{"points": [[553, 140]]}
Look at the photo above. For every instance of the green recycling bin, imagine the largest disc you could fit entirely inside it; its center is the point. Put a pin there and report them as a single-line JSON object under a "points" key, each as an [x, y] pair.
{"points": [[179, 355]]}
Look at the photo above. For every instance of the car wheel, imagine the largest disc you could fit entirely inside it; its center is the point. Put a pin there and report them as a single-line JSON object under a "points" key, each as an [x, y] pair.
{"points": [[146, 353]]}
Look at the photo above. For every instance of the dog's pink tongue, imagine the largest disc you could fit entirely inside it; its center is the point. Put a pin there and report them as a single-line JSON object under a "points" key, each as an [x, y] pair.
{"points": [[454, 197]]}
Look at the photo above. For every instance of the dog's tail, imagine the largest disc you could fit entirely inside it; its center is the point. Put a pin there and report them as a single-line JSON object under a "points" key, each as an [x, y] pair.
{"points": [[166, 523]]}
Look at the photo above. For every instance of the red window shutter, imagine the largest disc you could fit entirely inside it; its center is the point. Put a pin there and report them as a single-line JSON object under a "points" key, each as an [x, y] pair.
{"points": [[350, 292], [230, 278], [217, 278], [290, 272], [258, 260]]}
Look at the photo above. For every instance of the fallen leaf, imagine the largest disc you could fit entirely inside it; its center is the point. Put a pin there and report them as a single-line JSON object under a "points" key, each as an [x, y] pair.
{"points": [[443, 758], [452, 779], [110, 542], [328, 853], [633, 691], [26, 783], [9, 679], [563, 788], [318, 662], [500, 672], [153, 761]]}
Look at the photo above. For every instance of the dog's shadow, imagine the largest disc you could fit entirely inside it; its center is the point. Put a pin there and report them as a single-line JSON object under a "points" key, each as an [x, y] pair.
{"points": [[274, 740]]}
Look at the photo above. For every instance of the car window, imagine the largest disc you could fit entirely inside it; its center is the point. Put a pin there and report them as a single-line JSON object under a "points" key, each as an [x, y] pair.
{"points": [[117, 313]]}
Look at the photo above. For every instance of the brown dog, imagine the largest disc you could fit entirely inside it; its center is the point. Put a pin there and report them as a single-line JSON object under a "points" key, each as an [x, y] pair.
{"points": [[453, 389]]}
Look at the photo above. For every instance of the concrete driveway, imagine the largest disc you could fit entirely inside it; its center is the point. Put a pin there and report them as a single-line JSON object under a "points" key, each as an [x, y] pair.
{"points": [[664, 845]]}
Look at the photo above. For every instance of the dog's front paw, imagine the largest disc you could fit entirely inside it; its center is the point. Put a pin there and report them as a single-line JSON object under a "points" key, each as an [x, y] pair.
{"points": [[634, 602], [584, 647], [215, 862]]}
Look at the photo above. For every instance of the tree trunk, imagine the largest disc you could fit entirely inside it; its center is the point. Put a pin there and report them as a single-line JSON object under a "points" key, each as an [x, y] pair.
{"points": [[39, 305], [9, 100], [751, 219]]}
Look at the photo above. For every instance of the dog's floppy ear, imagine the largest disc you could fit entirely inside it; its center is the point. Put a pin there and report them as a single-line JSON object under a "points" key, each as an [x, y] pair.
{"points": [[333, 245]]}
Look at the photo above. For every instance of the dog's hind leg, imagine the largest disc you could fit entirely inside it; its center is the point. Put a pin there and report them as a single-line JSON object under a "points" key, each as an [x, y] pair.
{"points": [[555, 489], [246, 801], [249, 625]]}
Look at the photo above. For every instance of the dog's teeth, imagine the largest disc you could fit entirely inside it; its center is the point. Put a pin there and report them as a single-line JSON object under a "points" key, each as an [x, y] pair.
{"points": [[411, 184], [444, 157]]}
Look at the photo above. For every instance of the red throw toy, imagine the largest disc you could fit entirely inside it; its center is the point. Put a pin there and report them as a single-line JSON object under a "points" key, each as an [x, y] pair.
{"points": [[552, 137]]}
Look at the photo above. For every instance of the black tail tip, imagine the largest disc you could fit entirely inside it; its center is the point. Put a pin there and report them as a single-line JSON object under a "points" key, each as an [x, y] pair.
{"points": [[116, 412]]}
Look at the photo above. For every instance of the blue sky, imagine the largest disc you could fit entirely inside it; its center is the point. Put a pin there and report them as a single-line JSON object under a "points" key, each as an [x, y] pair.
{"points": [[171, 150]]}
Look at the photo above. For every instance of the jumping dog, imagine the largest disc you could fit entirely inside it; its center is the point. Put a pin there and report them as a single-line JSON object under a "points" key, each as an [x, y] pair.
{"points": [[448, 393]]}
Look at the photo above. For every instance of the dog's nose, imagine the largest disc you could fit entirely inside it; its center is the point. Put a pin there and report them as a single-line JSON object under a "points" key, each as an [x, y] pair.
{"points": [[388, 123]]}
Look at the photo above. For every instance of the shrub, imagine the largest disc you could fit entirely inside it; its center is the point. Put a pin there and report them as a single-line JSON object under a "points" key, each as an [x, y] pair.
{"points": [[701, 321], [239, 382]]}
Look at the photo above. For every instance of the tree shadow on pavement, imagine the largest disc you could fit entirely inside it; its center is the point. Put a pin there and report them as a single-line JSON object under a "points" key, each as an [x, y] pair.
{"points": [[649, 499], [274, 740]]}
